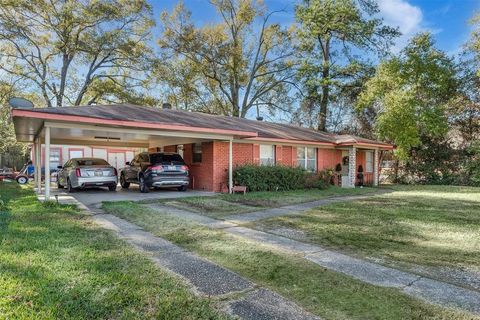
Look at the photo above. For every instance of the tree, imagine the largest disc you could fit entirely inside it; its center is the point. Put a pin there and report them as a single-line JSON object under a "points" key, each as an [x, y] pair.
{"points": [[465, 113], [12, 153], [412, 93], [332, 33], [64, 48], [236, 64]]}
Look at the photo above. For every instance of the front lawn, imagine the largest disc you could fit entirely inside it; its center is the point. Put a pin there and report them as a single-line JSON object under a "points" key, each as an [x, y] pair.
{"points": [[56, 264], [227, 204], [426, 226], [326, 293]]}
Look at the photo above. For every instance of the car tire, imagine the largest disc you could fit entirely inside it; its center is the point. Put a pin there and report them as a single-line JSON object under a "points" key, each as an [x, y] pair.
{"points": [[143, 185], [182, 188], [112, 188], [70, 189], [123, 182], [22, 180]]}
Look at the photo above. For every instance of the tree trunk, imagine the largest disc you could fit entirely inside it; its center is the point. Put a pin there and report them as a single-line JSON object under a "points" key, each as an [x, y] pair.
{"points": [[63, 79], [322, 115]]}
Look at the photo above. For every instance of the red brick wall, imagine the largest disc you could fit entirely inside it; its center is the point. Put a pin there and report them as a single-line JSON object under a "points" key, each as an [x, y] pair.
{"points": [[243, 153], [212, 173], [201, 174], [172, 148], [328, 158]]}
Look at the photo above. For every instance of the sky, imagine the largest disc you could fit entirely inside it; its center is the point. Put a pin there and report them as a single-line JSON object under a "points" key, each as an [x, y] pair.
{"points": [[446, 19]]}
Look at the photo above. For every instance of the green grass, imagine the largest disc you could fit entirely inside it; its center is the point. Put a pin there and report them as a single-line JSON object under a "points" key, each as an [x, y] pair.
{"points": [[423, 225], [56, 264], [227, 204], [328, 294]]}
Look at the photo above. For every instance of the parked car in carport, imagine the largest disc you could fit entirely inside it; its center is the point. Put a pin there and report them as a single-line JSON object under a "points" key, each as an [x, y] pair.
{"points": [[82, 173], [157, 170]]}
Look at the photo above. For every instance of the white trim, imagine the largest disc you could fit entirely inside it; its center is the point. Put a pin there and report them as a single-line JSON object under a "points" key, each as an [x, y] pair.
{"points": [[47, 163], [153, 132]]}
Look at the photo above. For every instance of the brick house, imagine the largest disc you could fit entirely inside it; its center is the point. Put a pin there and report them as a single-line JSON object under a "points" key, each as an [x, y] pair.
{"points": [[211, 145]]}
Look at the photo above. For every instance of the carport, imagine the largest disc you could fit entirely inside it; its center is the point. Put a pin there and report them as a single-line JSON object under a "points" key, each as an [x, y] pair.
{"points": [[116, 126]]}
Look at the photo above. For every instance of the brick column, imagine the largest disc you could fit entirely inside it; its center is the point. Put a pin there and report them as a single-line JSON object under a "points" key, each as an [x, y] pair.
{"points": [[376, 165], [352, 167]]}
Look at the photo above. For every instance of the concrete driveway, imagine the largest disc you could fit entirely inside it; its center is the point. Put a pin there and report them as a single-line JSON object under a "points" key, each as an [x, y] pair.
{"points": [[93, 197]]}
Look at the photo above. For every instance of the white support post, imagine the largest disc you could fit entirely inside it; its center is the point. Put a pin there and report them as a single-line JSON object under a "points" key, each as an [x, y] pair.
{"points": [[230, 166], [376, 164], [47, 163], [352, 167], [37, 164]]}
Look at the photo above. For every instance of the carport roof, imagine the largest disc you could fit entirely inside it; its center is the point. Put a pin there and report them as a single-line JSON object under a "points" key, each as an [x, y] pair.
{"points": [[154, 118]]}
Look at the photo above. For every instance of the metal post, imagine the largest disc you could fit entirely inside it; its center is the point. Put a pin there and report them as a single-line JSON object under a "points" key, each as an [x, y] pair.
{"points": [[37, 164], [47, 163], [230, 166], [376, 165]]}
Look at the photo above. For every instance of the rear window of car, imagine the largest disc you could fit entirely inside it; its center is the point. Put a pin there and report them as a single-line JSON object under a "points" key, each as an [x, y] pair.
{"points": [[162, 158], [91, 162]]}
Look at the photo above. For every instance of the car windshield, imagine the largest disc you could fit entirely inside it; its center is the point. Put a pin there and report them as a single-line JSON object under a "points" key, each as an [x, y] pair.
{"points": [[91, 162], [162, 158]]}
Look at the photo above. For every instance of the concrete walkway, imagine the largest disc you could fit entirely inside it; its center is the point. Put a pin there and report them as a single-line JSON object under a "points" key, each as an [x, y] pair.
{"points": [[248, 301], [433, 291], [238, 296]]}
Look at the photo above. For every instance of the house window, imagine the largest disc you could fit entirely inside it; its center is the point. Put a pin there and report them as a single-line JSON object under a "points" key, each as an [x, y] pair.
{"points": [[197, 152], [368, 162], [75, 153], [267, 155], [55, 155], [307, 158]]}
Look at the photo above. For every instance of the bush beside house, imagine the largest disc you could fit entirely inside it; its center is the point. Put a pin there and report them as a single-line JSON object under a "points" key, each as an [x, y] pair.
{"points": [[280, 178]]}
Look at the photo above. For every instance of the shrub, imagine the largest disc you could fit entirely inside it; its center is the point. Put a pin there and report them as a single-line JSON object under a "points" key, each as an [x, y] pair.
{"points": [[269, 178], [319, 180]]}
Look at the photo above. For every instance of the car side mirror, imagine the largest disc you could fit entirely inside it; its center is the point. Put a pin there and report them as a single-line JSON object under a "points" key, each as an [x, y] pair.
{"points": [[59, 167], [127, 163]]}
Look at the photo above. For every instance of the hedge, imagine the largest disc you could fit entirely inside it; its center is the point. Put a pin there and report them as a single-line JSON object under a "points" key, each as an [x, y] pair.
{"points": [[269, 178], [279, 178]]}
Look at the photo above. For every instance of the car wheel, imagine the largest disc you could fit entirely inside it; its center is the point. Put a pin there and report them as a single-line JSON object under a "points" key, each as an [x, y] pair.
{"points": [[182, 188], [22, 180], [112, 188], [70, 189], [143, 185], [123, 182]]}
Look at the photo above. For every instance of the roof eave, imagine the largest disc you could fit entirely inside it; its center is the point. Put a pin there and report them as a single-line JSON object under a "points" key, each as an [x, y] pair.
{"points": [[130, 124]]}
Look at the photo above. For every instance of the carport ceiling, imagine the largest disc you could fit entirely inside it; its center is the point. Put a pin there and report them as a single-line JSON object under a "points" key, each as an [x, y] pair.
{"points": [[104, 136]]}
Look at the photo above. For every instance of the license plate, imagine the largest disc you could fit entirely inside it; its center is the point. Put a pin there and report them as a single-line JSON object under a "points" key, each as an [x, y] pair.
{"points": [[98, 173], [172, 168]]}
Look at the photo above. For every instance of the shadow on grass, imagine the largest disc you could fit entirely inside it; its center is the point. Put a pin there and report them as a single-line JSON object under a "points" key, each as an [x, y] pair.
{"points": [[414, 229], [56, 265]]}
